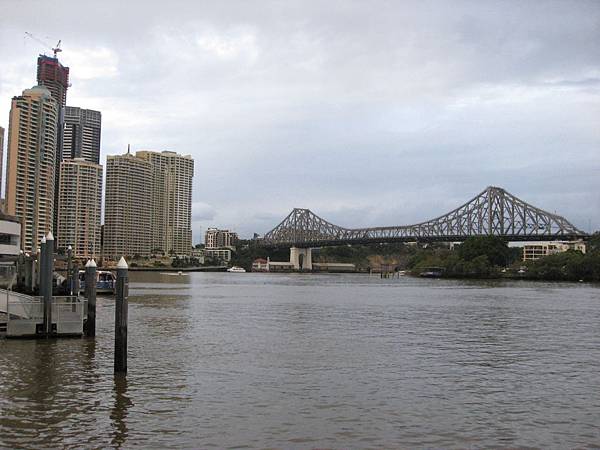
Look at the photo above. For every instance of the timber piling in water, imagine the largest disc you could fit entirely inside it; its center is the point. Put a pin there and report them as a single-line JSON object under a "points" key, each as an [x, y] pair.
{"points": [[70, 270], [40, 279], [90, 294], [388, 271], [121, 316], [47, 264], [68, 311], [75, 279]]}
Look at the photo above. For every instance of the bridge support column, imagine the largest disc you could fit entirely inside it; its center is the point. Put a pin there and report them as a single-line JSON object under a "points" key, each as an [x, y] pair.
{"points": [[301, 258]]}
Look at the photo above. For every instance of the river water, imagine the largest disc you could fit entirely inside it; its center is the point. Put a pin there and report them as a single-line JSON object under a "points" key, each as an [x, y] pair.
{"points": [[317, 361]]}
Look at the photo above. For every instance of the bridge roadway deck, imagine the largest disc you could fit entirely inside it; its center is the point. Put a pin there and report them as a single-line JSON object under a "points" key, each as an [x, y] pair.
{"points": [[423, 239]]}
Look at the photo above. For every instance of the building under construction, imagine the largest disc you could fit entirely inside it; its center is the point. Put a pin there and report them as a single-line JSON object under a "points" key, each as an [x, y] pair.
{"points": [[52, 74]]}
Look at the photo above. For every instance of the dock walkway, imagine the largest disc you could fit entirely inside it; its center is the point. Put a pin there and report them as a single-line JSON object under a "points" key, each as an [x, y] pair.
{"points": [[21, 315]]}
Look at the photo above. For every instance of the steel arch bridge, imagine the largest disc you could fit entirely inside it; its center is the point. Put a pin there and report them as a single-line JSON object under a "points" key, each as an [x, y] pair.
{"points": [[494, 212]]}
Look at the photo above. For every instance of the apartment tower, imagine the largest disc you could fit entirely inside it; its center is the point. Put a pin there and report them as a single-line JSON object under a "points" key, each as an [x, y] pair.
{"points": [[31, 162], [53, 75], [128, 203], [79, 203], [1, 156], [171, 198], [82, 134]]}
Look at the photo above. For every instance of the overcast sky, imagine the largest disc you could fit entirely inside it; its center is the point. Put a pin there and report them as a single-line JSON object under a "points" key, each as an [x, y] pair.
{"points": [[368, 113]]}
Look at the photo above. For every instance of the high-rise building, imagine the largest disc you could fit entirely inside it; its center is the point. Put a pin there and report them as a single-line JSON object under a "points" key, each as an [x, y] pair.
{"points": [[79, 204], [82, 134], [171, 198], [1, 155], [31, 163], [52, 74], [127, 213], [215, 239]]}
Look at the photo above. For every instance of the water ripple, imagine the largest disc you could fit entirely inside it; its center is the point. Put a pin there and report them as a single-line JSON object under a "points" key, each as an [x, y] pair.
{"points": [[328, 361]]}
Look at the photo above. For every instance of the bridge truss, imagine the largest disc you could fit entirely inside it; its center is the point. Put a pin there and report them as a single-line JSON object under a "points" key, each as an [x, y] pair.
{"points": [[494, 212]]}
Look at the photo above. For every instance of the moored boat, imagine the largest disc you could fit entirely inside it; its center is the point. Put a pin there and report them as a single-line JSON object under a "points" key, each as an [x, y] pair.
{"points": [[432, 272], [236, 269], [105, 282]]}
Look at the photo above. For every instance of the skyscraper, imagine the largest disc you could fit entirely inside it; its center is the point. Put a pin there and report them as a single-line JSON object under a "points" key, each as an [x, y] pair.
{"points": [[82, 134], [1, 154], [171, 201], [79, 204], [52, 74], [31, 163], [127, 214]]}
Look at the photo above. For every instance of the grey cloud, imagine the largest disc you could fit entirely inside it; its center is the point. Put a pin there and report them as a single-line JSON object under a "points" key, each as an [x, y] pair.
{"points": [[202, 211], [583, 82], [369, 114]]}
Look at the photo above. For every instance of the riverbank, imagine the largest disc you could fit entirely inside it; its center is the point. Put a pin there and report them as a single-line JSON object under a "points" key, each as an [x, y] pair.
{"points": [[179, 269]]}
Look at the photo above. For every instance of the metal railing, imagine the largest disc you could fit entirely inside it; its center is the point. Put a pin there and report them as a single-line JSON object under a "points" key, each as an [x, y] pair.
{"points": [[67, 313], [25, 313], [8, 274], [18, 304]]}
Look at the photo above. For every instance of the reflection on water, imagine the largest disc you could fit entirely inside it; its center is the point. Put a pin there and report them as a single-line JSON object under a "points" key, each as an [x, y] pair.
{"points": [[119, 412], [297, 361]]}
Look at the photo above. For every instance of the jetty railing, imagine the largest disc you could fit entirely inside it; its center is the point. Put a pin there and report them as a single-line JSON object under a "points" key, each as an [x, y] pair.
{"points": [[68, 313], [26, 315]]}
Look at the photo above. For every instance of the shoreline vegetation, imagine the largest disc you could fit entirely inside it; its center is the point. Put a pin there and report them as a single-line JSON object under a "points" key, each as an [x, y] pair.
{"points": [[486, 257]]}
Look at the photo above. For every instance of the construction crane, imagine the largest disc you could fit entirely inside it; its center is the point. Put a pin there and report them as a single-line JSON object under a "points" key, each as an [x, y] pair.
{"points": [[55, 50]]}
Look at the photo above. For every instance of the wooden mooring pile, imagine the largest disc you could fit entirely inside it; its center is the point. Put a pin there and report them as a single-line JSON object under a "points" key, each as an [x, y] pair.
{"points": [[45, 315]]}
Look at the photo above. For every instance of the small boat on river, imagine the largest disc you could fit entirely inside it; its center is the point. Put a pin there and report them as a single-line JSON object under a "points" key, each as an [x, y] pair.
{"points": [[105, 282], [432, 272], [236, 269]]}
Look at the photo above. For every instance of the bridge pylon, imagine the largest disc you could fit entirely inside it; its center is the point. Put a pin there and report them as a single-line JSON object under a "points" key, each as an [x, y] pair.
{"points": [[301, 258]]}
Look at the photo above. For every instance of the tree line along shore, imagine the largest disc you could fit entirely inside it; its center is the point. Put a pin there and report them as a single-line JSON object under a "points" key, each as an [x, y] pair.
{"points": [[486, 257], [477, 257]]}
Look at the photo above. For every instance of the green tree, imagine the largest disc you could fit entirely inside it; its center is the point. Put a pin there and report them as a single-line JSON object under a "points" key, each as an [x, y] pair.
{"points": [[493, 247], [593, 243], [571, 265]]}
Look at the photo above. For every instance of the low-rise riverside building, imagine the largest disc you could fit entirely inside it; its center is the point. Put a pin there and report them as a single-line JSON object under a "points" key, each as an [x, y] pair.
{"points": [[280, 266], [222, 254], [333, 267], [10, 248], [215, 238], [197, 252], [10, 236], [266, 265], [260, 265], [538, 250]]}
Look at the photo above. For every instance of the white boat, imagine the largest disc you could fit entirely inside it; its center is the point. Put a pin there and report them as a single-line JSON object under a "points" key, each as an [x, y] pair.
{"points": [[236, 269]]}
